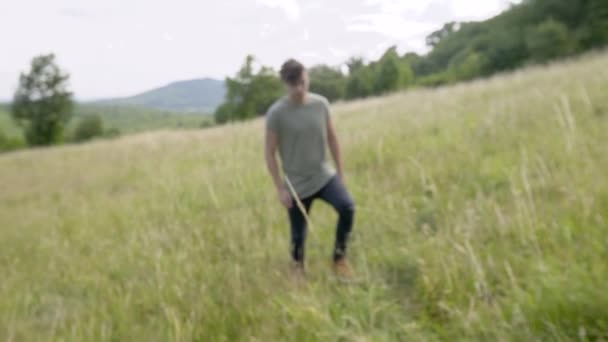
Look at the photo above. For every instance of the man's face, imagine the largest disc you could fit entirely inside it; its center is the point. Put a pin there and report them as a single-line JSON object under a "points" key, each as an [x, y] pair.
{"points": [[298, 91]]}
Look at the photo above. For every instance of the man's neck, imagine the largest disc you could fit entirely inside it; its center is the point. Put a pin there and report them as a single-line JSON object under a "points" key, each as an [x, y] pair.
{"points": [[297, 100]]}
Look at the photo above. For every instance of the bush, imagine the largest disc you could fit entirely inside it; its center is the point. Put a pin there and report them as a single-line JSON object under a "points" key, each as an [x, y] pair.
{"points": [[112, 133], [89, 127], [471, 66], [10, 143], [549, 40], [435, 80]]}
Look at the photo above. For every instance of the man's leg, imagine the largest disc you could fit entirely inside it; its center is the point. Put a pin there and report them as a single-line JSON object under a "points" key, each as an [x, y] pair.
{"points": [[337, 196], [298, 229]]}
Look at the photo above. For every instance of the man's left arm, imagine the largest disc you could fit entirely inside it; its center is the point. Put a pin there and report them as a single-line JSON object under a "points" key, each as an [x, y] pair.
{"points": [[334, 147]]}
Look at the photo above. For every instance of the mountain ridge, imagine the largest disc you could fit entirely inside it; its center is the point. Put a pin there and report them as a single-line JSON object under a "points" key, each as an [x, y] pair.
{"points": [[193, 95]]}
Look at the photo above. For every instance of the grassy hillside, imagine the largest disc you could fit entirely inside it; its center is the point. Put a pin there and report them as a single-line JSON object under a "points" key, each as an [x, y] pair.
{"points": [[482, 215]]}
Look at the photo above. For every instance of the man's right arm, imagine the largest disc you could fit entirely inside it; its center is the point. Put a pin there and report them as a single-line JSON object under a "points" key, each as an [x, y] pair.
{"points": [[270, 152], [271, 157]]}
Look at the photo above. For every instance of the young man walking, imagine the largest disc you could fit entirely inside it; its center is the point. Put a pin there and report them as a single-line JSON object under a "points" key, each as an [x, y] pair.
{"points": [[299, 126]]}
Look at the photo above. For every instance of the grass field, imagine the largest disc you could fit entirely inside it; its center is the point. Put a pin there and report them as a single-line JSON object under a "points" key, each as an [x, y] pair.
{"points": [[482, 215], [127, 119], [130, 119]]}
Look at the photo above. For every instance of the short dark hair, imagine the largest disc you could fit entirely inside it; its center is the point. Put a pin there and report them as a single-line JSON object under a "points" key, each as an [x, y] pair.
{"points": [[291, 71]]}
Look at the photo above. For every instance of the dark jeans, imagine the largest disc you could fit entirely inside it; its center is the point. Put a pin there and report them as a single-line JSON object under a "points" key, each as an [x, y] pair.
{"points": [[335, 194]]}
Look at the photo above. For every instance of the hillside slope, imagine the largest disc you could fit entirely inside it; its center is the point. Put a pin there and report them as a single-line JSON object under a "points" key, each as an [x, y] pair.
{"points": [[200, 95], [482, 215]]}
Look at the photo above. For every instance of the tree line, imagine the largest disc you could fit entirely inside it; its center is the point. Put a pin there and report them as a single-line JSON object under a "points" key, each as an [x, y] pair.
{"points": [[534, 31]]}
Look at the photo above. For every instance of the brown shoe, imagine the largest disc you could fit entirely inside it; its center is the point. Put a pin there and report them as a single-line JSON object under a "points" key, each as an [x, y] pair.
{"points": [[297, 273], [342, 269]]}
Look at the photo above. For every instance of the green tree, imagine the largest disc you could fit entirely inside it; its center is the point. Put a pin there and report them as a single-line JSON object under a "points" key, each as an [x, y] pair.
{"points": [[388, 72], [89, 127], [446, 31], [360, 83], [549, 40], [412, 60], [596, 27], [468, 66], [224, 113], [264, 90], [328, 82], [249, 94], [392, 72], [406, 74], [42, 105]]}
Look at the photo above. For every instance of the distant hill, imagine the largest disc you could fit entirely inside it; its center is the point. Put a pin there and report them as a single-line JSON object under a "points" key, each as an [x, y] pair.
{"points": [[199, 95]]}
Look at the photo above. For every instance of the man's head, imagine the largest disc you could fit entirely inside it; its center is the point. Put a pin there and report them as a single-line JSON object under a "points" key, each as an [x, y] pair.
{"points": [[295, 77]]}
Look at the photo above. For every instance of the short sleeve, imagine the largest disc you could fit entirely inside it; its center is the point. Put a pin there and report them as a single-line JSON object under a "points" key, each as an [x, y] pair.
{"points": [[272, 120], [326, 106]]}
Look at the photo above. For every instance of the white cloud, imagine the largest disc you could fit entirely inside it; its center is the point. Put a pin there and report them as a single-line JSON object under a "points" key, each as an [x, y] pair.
{"points": [[290, 7], [478, 10], [306, 35], [74, 12], [339, 53], [389, 24], [310, 54]]}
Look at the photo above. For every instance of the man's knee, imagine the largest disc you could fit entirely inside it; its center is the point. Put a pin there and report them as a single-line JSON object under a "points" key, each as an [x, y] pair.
{"points": [[347, 209]]}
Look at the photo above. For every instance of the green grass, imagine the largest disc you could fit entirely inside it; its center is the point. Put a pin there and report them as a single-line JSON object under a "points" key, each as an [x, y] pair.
{"points": [[127, 119], [482, 215], [131, 119]]}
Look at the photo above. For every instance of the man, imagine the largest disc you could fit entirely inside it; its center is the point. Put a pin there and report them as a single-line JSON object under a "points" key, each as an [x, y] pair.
{"points": [[300, 127]]}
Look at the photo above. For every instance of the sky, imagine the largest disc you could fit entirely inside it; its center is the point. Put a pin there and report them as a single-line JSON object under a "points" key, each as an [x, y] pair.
{"points": [[115, 48]]}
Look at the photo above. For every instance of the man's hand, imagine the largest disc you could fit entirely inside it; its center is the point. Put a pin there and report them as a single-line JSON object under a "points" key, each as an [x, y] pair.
{"points": [[285, 197]]}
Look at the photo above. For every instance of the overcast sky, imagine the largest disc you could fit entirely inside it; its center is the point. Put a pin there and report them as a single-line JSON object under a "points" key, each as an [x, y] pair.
{"points": [[121, 47]]}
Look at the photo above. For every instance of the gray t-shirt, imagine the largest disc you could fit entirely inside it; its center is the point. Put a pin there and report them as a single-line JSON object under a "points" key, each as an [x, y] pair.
{"points": [[302, 138]]}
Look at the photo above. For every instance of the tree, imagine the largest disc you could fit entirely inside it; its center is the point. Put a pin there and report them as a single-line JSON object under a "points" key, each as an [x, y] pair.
{"points": [[446, 31], [391, 72], [354, 64], [328, 82], [42, 105], [596, 29], [264, 89], [360, 83], [249, 94], [406, 74], [467, 66], [504, 48], [224, 113], [549, 40], [89, 127]]}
